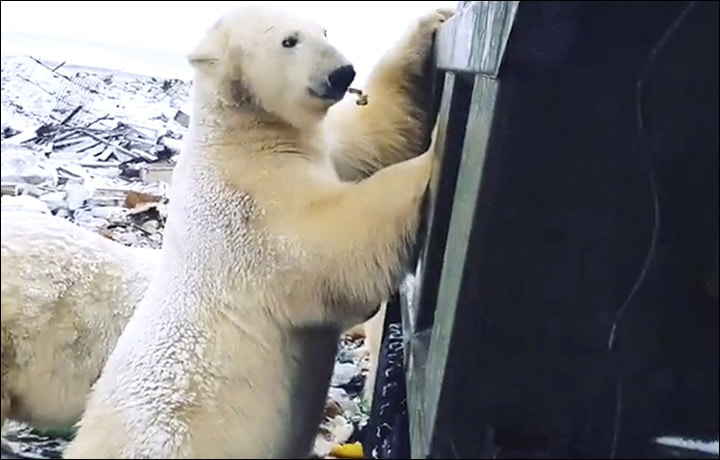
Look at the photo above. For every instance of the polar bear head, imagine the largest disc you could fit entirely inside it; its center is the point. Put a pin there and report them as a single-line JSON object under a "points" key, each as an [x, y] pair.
{"points": [[262, 58]]}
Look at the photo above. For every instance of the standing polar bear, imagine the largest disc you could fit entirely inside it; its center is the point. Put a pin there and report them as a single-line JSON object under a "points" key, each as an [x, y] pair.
{"points": [[267, 254]]}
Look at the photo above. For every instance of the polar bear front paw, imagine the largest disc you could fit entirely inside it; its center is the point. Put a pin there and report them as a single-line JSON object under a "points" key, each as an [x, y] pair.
{"points": [[421, 32], [426, 25], [414, 48]]}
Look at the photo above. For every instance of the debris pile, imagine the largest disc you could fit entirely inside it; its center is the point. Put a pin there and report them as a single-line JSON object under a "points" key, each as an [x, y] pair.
{"points": [[346, 412], [87, 145]]}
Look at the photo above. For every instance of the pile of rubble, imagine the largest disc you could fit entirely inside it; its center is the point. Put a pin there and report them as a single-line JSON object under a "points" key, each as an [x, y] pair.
{"points": [[98, 149], [95, 149]]}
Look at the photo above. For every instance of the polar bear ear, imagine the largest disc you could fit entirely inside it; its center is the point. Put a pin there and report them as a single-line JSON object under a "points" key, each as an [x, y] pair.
{"points": [[202, 55], [206, 52]]}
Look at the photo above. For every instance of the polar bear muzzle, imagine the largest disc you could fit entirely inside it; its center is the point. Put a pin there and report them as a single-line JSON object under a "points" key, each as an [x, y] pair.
{"points": [[336, 84]]}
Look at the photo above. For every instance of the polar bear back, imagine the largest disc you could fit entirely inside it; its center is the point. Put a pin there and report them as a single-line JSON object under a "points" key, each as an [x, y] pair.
{"points": [[67, 293]]}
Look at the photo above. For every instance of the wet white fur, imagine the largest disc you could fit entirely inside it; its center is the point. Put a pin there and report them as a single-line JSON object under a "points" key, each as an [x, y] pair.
{"points": [[67, 293]]}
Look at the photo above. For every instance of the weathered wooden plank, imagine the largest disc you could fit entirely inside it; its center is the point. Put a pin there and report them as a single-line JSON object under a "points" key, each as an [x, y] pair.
{"points": [[474, 39], [434, 380], [485, 27], [461, 221], [418, 298], [452, 117], [410, 302]]}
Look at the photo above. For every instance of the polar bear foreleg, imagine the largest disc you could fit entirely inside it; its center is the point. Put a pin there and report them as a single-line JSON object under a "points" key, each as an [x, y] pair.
{"points": [[395, 124], [362, 233]]}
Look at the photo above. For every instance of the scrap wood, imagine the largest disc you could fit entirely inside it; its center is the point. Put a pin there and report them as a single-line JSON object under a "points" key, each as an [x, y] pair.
{"points": [[103, 196], [22, 188], [98, 120], [91, 145], [124, 139], [144, 213], [143, 207], [104, 155], [74, 112], [134, 199], [126, 225], [68, 173], [10, 188], [154, 172], [73, 139], [106, 142], [152, 134], [100, 164]]}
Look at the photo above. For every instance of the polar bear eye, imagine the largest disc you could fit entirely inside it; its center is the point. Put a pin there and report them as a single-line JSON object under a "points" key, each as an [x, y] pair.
{"points": [[290, 42]]}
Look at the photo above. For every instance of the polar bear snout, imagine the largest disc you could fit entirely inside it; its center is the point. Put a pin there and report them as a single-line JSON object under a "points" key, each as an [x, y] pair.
{"points": [[335, 84], [341, 78]]}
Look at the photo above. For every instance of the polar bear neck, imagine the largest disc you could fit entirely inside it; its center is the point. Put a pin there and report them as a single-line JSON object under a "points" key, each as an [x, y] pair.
{"points": [[255, 132]]}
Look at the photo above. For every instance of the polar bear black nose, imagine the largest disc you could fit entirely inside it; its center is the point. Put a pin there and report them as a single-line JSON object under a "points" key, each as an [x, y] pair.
{"points": [[341, 77]]}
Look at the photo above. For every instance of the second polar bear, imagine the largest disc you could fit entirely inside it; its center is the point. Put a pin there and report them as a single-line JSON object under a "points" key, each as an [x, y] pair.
{"points": [[67, 294], [265, 260]]}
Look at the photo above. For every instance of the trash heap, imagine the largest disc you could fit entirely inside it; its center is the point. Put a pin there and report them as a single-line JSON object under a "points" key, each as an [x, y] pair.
{"points": [[96, 149]]}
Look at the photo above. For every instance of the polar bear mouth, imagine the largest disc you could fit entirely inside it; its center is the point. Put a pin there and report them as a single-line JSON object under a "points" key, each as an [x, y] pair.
{"points": [[327, 94], [335, 85]]}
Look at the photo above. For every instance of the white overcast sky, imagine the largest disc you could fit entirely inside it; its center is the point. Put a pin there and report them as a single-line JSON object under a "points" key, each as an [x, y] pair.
{"points": [[132, 34]]}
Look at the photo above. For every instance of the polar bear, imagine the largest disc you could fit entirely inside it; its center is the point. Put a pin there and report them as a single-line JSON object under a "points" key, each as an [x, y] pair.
{"points": [[355, 136], [67, 294], [267, 255]]}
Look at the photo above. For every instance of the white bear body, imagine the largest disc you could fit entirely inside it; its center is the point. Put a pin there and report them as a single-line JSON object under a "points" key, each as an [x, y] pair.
{"points": [[67, 294]]}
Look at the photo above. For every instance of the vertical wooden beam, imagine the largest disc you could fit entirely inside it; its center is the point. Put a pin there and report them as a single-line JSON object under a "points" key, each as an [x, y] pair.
{"points": [[469, 50], [439, 382]]}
